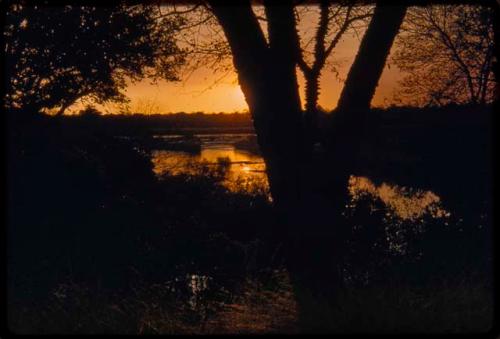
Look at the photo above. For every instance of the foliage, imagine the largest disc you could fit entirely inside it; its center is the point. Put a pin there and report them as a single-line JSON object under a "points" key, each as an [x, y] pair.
{"points": [[57, 55], [89, 111], [447, 53], [108, 248]]}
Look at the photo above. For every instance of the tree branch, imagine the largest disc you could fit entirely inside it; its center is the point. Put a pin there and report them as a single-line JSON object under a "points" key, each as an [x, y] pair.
{"points": [[176, 12], [304, 67], [319, 48], [449, 43], [342, 30]]}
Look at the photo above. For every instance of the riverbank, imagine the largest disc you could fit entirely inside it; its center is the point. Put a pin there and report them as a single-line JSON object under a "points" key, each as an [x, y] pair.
{"points": [[94, 232]]}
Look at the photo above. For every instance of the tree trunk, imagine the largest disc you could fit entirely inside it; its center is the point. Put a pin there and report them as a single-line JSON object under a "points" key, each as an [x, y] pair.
{"points": [[328, 196], [308, 197], [311, 113], [353, 106], [267, 78]]}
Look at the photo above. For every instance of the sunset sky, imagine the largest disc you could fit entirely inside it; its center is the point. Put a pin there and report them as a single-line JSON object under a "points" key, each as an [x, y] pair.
{"points": [[198, 93], [205, 91]]}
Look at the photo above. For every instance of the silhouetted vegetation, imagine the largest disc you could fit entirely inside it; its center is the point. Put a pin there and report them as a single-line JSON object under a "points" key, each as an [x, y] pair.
{"points": [[58, 55], [369, 219], [447, 55], [99, 218], [96, 233]]}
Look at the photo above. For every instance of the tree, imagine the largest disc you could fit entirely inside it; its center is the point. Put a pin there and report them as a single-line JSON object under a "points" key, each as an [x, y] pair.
{"points": [[347, 123], [267, 75], [334, 21], [447, 52], [57, 55], [200, 36]]}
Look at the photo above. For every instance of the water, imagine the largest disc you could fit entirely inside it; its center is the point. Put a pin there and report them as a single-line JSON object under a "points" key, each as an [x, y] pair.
{"points": [[404, 208], [405, 202], [244, 171]]}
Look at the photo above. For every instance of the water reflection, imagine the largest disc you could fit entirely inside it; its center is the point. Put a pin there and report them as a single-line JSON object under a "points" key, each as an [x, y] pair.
{"points": [[402, 212], [243, 171], [406, 203]]}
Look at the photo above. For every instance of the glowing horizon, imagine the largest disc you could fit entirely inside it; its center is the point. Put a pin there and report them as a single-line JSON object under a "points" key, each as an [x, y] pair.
{"points": [[206, 91]]}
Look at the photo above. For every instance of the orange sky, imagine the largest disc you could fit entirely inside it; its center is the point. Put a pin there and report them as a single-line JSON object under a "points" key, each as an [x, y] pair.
{"points": [[199, 93]]}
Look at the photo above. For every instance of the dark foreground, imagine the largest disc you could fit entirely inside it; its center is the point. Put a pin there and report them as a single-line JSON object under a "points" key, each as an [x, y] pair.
{"points": [[98, 244]]}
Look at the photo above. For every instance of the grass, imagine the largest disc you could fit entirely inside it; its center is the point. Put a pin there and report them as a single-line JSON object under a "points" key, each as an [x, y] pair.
{"points": [[164, 230], [263, 306], [443, 308]]}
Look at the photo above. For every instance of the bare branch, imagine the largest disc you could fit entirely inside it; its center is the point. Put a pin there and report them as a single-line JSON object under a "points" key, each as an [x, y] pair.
{"points": [[176, 12]]}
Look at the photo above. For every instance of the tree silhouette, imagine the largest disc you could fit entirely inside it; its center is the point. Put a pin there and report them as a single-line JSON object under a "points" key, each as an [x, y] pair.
{"points": [[335, 20], [308, 196], [447, 53], [57, 55]]}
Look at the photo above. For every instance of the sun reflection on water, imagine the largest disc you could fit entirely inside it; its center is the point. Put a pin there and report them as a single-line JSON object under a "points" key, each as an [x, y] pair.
{"points": [[406, 203], [244, 172]]}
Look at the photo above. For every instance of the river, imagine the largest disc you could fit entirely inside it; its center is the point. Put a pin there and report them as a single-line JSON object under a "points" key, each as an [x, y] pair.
{"points": [[244, 171]]}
